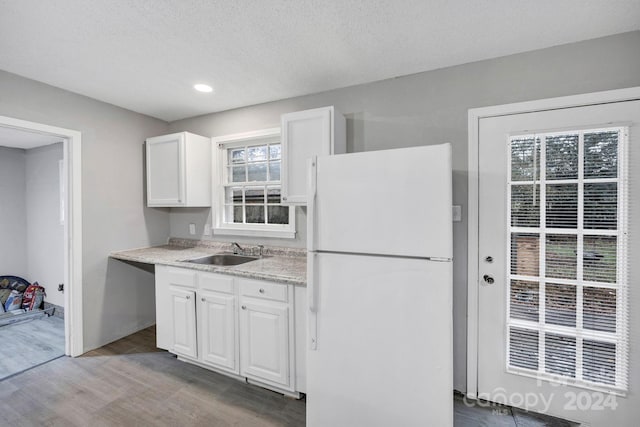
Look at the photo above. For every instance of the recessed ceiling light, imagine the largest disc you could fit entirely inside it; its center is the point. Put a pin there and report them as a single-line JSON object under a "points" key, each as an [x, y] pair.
{"points": [[203, 88]]}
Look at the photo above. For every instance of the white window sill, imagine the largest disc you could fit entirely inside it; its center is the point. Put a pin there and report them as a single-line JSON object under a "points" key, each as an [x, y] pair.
{"points": [[228, 231]]}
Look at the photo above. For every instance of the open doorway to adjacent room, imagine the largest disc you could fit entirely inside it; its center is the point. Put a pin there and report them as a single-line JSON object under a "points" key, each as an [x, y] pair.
{"points": [[39, 260]]}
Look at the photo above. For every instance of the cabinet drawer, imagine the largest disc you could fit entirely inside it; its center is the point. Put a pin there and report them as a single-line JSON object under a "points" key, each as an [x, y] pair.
{"points": [[180, 277], [266, 290], [216, 282]]}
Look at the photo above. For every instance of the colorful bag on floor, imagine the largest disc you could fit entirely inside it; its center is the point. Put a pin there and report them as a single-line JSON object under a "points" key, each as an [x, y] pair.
{"points": [[14, 302], [33, 296]]}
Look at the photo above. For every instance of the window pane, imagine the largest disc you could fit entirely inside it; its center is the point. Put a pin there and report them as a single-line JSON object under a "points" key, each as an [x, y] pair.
{"points": [[562, 206], [237, 174], [273, 195], [561, 256], [255, 214], [233, 214], [254, 195], [274, 171], [525, 159], [599, 258], [560, 355], [257, 153], [523, 348], [525, 254], [237, 155], [601, 206], [560, 304], [233, 195], [525, 205], [599, 361], [274, 151], [524, 300], [562, 157], [599, 309], [278, 214], [601, 155], [257, 172]]}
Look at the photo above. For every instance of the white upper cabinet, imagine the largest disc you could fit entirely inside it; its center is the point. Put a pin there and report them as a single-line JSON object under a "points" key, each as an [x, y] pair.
{"points": [[317, 132], [178, 170]]}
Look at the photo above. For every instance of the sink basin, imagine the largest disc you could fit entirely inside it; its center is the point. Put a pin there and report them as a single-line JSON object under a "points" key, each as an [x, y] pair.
{"points": [[223, 259]]}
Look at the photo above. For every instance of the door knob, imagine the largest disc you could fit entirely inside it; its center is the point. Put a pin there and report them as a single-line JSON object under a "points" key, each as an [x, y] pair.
{"points": [[488, 279]]}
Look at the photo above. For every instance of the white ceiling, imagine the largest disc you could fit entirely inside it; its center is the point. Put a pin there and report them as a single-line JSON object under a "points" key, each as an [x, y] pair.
{"points": [[15, 138], [145, 55]]}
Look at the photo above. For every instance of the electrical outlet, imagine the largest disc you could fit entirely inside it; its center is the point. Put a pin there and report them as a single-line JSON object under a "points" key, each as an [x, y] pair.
{"points": [[207, 230], [192, 229]]}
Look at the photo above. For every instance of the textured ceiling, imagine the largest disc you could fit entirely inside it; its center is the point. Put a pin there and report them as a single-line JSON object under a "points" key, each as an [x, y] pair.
{"points": [[145, 55]]}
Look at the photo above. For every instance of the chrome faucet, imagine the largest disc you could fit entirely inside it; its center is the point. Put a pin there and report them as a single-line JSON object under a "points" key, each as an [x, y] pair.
{"points": [[237, 249]]}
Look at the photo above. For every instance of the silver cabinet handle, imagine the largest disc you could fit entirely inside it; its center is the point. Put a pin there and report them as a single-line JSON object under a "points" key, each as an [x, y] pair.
{"points": [[188, 297], [203, 299], [261, 291], [244, 307]]}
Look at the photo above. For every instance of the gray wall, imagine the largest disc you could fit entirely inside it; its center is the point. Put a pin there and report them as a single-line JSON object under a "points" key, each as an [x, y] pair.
{"points": [[430, 108], [13, 223], [118, 299], [45, 234]]}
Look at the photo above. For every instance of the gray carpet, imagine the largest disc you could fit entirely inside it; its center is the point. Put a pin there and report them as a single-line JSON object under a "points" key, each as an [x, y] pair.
{"points": [[27, 344]]}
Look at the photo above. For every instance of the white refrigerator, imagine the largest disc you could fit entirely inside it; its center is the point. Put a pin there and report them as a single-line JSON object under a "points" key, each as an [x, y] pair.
{"points": [[379, 287]]}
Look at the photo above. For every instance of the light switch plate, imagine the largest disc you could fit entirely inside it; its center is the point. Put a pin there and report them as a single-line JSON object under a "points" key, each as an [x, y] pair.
{"points": [[192, 229], [456, 211]]}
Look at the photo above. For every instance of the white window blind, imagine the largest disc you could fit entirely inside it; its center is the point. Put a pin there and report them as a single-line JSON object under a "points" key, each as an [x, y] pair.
{"points": [[567, 296]]}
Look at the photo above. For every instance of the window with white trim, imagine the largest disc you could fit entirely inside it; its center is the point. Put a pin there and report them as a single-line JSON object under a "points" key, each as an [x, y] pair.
{"points": [[247, 186], [567, 310]]}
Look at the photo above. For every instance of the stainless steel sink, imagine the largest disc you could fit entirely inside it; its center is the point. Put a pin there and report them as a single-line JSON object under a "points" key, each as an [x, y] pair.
{"points": [[223, 259]]}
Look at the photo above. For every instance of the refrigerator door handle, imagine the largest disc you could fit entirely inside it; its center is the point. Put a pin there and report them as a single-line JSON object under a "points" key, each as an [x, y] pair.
{"points": [[312, 300], [311, 202]]}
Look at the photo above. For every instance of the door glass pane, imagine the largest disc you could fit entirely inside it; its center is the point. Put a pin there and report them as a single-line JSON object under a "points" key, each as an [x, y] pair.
{"points": [[525, 254], [525, 159], [525, 205], [599, 312], [601, 206], [562, 206], [524, 300], [562, 157], [560, 304], [561, 258], [599, 361], [601, 155], [600, 258], [523, 348], [560, 355]]}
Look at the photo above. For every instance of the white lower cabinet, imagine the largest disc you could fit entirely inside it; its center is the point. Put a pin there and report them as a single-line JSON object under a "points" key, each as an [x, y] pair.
{"points": [[242, 327], [264, 344], [183, 313]]}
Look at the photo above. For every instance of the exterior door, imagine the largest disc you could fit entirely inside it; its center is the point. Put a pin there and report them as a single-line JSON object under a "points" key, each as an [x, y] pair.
{"points": [[553, 303]]}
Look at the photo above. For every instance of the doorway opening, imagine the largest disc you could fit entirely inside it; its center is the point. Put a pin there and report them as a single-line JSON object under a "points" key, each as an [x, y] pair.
{"points": [[43, 228]]}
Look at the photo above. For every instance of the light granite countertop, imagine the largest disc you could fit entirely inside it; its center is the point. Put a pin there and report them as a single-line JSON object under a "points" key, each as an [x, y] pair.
{"points": [[283, 265]]}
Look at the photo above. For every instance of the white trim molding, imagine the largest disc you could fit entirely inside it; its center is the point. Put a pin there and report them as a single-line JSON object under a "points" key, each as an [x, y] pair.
{"points": [[475, 115], [72, 171]]}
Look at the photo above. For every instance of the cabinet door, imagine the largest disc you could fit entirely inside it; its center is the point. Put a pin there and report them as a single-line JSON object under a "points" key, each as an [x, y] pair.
{"points": [[304, 134], [264, 341], [183, 316], [217, 329], [165, 170]]}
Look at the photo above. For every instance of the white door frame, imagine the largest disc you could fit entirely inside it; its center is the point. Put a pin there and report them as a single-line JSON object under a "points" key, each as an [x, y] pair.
{"points": [[473, 278], [73, 321]]}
